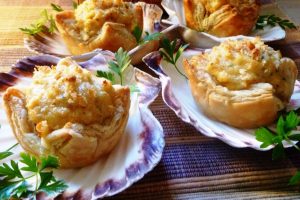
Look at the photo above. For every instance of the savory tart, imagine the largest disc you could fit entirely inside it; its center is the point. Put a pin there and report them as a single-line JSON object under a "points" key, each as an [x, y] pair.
{"points": [[221, 17], [242, 83], [68, 112], [105, 24]]}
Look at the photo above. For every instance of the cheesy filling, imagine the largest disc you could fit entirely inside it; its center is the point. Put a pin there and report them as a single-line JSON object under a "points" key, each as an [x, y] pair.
{"points": [[91, 15], [239, 64], [67, 93]]}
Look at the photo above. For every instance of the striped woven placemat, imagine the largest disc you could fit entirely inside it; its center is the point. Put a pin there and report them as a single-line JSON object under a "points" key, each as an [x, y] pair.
{"points": [[193, 166]]}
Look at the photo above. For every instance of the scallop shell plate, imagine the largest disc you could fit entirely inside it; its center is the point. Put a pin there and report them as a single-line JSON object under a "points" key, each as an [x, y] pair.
{"points": [[53, 44], [177, 95], [138, 151], [175, 10]]}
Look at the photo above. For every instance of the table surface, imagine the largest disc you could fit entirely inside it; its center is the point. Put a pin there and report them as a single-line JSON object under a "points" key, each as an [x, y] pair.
{"points": [[193, 166]]}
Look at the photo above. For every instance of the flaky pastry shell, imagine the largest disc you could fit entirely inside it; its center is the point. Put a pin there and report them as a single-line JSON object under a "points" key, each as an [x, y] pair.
{"points": [[75, 144], [111, 36], [248, 108], [221, 18]]}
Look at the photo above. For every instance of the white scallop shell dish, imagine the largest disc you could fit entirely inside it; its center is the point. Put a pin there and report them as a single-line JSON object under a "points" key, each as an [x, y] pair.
{"points": [[137, 153], [177, 95]]}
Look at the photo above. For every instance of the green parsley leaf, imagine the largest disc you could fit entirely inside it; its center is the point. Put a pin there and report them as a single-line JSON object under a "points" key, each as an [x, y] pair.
{"points": [[168, 52], [10, 172], [75, 5], [33, 29], [56, 7], [272, 20], [52, 25], [295, 179], [265, 136], [7, 153], [121, 62], [49, 162], [138, 32], [14, 185], [286, 131], [54, 187], [107, 75], [30, 162], [150, 37], [292, 121], [41, 24], [280, 126]]}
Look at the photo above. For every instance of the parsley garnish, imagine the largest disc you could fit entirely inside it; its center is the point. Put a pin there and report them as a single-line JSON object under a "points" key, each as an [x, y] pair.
{"points": [[286, 130], [118, 66], [41, 24], [108, 75], [14, 185], [56, 7], [137, 32], [169, 53], [121, 62], [272, 20]]}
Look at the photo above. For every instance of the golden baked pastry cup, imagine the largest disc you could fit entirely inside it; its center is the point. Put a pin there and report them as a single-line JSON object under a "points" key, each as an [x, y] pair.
{"points": [[221, 18], [75, 145], [111, 36], [248, 108]]}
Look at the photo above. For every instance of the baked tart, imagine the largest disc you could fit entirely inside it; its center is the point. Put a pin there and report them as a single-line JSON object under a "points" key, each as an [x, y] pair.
{"points": [[105, 24], [221, 17], [68, 112], [242, 83]]}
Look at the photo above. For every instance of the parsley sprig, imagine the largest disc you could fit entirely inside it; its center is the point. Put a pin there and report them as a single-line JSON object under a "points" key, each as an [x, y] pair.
{"points": [[118, 66], [169, 54], [286, 130], [138, 32], [46, 22], [272, 20], [121, 62], [15, 178]]}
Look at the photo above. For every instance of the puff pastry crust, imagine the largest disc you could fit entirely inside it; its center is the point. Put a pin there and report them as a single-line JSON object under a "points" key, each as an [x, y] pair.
{"points": [[105, 24], [242, 83], [69, 113], [221, 17]]}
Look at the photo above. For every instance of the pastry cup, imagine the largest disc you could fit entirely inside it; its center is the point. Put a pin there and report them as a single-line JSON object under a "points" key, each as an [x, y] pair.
{"points": [[196, 38], [222, 21], [75, 144], [53, 44], [249, 108], [111, 35]]}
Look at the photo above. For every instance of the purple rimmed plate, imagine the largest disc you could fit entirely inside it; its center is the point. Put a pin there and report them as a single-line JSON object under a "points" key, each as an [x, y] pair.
{"points": [[138, 151], [177, 95]]}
